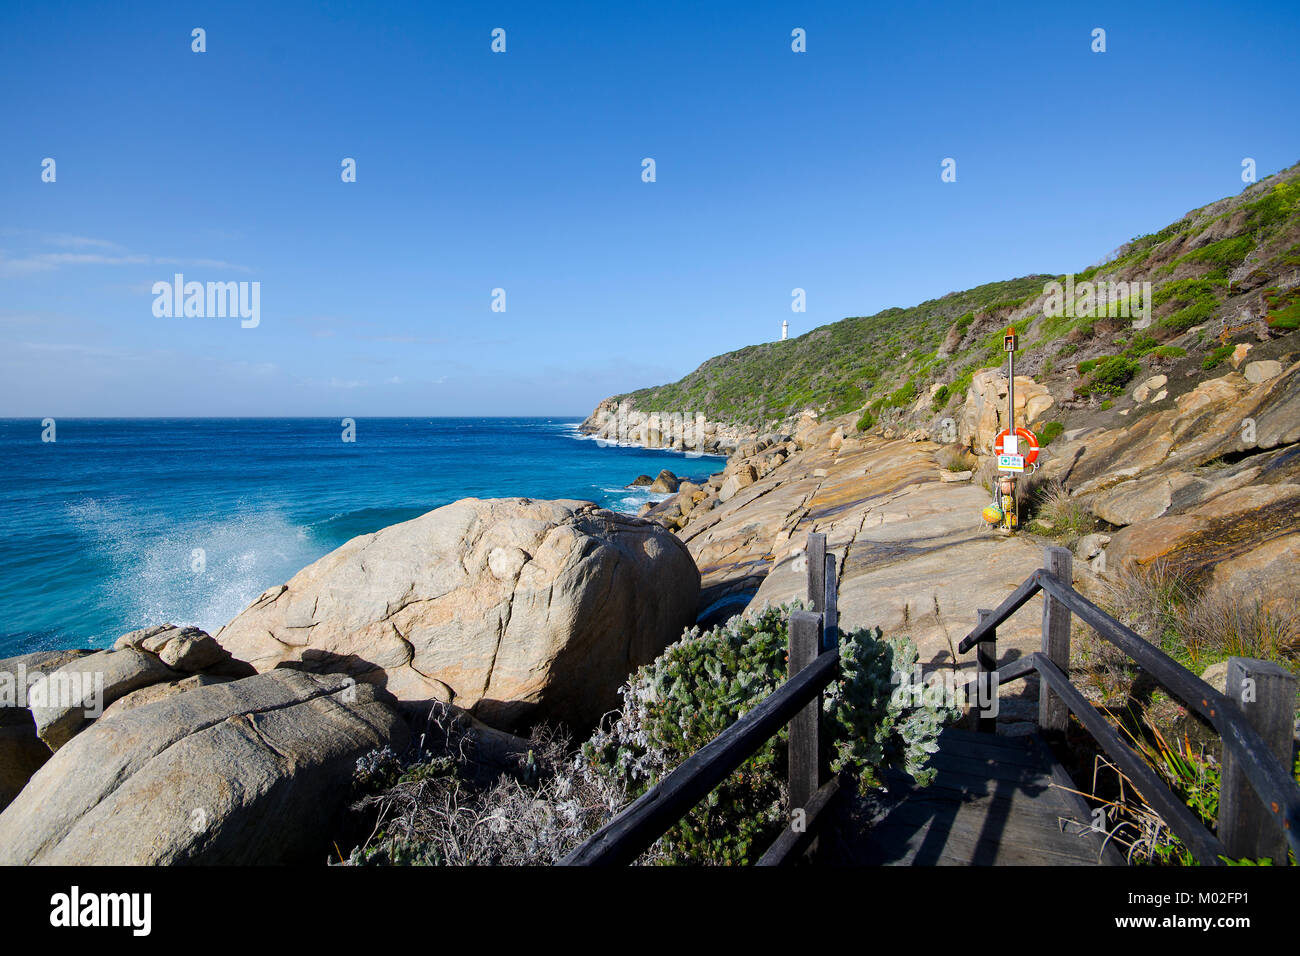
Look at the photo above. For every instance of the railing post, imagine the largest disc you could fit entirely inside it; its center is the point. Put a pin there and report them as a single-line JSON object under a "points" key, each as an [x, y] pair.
{"points": [[805, 726], [830, 610], [816, 554], [986, 687], [1266, 694], [1053, 715]]}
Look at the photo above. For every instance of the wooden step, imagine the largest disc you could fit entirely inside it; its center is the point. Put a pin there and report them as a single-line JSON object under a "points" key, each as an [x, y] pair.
{"points": [[995, 801]]}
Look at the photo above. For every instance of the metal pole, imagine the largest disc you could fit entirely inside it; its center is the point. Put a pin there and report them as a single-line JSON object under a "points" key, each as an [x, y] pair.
{"points": [[1011, 514], [1011, 392]]}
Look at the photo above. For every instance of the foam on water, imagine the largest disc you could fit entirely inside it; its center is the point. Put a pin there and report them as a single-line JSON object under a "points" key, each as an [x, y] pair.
{"points": [[151, 565], [98, 531]]}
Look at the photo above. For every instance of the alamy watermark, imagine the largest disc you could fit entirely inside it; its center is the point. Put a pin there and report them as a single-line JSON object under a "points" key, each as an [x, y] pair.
{"points": [[1101, 299], [64, 689], [947, 688], [124, 910], [215, 300]]}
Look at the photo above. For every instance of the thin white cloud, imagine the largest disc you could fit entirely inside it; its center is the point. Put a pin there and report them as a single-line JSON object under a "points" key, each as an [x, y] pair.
{"points": [[96, 252], [88, 351], [81, 242], [202, 264], [47, 261]]}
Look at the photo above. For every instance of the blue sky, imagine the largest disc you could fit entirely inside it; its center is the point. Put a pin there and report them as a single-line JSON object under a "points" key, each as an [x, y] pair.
{"points": [[522, 171]]}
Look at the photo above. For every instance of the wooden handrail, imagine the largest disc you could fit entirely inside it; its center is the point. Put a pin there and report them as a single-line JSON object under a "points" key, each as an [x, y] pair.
{"points": [[1184, 685], [792, 841], [1273, 782], [1271, 779], [632, 832], [1010, 606], [1205, 847], [814, 660], [637, 827]]}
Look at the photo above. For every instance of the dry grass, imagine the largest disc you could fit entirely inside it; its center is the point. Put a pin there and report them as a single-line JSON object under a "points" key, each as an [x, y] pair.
{"points": [[1221, 624], [957, 460], [440, 805], [1148, 598], [1131, 823], [1197, 629], [1104, 672], [1059, 513], [1202, 628]]}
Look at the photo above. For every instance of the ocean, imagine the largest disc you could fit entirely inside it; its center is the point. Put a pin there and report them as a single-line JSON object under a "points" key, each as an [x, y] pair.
{"points": [[123, 523]]}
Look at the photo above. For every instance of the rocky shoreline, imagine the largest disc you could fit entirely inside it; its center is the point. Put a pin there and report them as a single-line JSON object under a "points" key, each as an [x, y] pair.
{"points": [[177, 746], [1204, 485], [623, 424]]}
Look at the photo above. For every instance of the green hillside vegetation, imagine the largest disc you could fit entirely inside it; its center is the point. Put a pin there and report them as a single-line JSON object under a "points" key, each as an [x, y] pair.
{"points": [[1234, 257], [839, 367]]}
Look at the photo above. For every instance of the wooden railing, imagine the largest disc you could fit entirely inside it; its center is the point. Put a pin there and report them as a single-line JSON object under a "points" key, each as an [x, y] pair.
{"points": [[1259, 801], [813, 662]]}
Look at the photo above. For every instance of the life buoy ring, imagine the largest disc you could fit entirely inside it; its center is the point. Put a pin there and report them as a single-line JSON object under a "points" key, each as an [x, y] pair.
{"points": [[1027, 447]]}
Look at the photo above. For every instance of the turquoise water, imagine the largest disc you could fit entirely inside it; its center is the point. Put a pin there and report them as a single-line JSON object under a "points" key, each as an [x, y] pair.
{"points": [[99, 529]]}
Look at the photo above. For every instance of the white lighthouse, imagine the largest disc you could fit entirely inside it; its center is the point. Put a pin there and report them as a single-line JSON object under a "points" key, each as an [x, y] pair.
{"points": [[785, 329]]}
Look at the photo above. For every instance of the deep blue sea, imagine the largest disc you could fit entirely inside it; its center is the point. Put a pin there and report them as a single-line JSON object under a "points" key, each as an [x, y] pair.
{"points": [[101, 529]]}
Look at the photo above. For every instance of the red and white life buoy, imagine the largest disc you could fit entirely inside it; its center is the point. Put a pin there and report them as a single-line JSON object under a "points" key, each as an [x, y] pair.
{"points": [[1027, 445]]}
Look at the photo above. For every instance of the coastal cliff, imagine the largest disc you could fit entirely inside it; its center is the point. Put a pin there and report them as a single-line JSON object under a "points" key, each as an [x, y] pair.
{"points": [[620, 422], [1179, 491], [1169, 420]]}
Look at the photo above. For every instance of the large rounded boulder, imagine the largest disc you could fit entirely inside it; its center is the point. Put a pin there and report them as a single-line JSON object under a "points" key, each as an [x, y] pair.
{"points": [[512, 608], [246, 772]]}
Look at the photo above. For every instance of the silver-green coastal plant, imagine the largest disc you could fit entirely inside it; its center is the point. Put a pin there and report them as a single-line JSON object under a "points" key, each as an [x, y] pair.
{"points": [[703, 683]]}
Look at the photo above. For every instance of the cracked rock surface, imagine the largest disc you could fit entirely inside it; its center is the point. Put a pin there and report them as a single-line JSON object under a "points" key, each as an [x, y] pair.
{"points": [[250, 771]]}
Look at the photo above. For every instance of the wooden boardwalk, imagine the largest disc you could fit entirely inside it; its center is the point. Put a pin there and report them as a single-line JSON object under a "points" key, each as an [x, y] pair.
{"points": [[995, 801]]}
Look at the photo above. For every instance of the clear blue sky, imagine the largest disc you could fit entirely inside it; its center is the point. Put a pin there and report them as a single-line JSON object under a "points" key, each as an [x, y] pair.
{"points": [[522, 171]]}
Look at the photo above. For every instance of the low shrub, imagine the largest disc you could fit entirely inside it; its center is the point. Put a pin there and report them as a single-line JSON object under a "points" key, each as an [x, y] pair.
{"points": [[956, 460], [1048, 432], [902, 396], [1112, 375], [1283, 309], [1107, 376], [702, 684], [1217, 357], [1140, 345], [439, 804], [962, 383], [1185, 291], [1168, 352], [1194, 314]]}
